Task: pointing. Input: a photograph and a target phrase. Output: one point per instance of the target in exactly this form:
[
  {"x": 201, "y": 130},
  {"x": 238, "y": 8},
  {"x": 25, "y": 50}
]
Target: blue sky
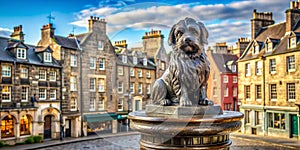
[{"x": 226, "y": 20}]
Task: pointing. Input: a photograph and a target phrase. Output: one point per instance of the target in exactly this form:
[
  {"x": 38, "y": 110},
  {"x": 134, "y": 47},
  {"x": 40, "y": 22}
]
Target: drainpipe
[
  {"x": 263, "y": 58},
  {"x": 14, "y": 88},
  {"x": 60, "y": 106}
]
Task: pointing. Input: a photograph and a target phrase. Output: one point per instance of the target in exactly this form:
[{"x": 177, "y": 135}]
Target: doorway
[
  {"x": 294, "y": 126},
  {"x": 68, "y": 127},
  {"x": 47, "y": 127}
]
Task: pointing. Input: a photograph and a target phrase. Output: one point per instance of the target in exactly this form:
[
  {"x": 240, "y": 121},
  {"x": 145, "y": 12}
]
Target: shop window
[
  {"x": 25, "y": 124},
  {"x": 7, "y": 127},
  {"x": 276, "y": 120}
]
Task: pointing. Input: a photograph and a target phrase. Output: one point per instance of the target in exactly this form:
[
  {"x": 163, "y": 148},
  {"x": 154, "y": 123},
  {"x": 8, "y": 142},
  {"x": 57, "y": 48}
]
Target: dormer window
[
  {"x": 21, "y": 53},
  {"x": 124, "y": 58},
  {"x": 269, "y": 47},
  {"x": 47, "y": 57},
  {"x": 292, "y": 42},
  {"x": 233, "y": 68},
  {"x": 134, "y": 60},
  {"x": 145, "y": 61},
  {"x": 256, "y": 49}
]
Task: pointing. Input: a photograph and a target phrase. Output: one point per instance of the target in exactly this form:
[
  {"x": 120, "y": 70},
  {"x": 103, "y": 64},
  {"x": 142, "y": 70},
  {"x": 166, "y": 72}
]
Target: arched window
[
  {"x": 7, "y": 127},
  {"x": 25, "y": 123}
]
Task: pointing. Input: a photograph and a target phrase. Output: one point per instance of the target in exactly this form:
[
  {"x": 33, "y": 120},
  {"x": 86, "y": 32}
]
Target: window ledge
[
  {"x": 248, "y": 99},
  {"x": 273, "y": 100},
  {"x": 273, "y": 72},
  {"x": 292, "y": 100},
  {"x": 259, "y": 100},
  {"x": 291, "y": 70}
]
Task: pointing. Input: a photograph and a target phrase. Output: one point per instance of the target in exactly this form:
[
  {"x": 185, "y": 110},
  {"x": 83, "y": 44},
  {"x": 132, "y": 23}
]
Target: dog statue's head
[{"x": 189, "y": 36}]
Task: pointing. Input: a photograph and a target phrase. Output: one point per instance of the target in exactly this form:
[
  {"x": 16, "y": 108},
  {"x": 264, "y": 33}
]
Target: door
[
  {"x": 47, "y": 127},
  {"x": 137, "y": 105},
  {"x": 68, "y": 127},
  {"x": 294, "y": 126}
]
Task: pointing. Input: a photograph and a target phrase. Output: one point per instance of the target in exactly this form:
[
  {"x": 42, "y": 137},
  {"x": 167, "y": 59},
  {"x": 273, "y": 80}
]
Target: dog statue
[{"x": 184, "y": 83}]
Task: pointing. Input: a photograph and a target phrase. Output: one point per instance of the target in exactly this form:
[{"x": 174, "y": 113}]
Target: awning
[{"x": 100, "y": 117}]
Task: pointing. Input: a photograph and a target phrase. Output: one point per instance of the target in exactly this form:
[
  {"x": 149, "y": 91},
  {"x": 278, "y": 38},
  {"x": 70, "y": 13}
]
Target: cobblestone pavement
[{"x": 130, "y": 142}]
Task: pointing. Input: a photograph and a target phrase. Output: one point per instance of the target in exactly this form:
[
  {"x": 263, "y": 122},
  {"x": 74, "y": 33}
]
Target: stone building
[
  {"x": 269, "y": 75},
  {"x": 222, "y": 82},
  {"x": 135, "y": 77},
  {"x": 30, "y": 90},
  {"x": 98, "y": 74},
  {"x": 67, "y": 52}
]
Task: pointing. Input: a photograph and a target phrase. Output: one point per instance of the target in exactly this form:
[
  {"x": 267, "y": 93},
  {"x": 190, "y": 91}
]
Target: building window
[
  {"x": 140, "y": 89},
  {"x": 134, "y": 59},
  {"x": 120, "y": 87},
  {"x": 73, "y": 83},
  {"x": 272, "y": 66},
  {"x": 235, "y": 79},
  {"x": 42, "y": 94},
  {"x": 21, "y": 53},
  {"x": 227, "y": 106},
  {"x": 92, "y": 104},
  {"x": 101, "y": 85},
  {"x": 120, "y": 104},
  {"x": 226, "y": 92},
  {"x": 225, "y": 79},
  {"x": 24, "y": 95},
  {"x": 148, "y": 74},
  {"x": 42, "y": 75},
  {"x": 102, "y": 64},
  {"x": 291, "y": 91},
  {"x": 92, "y": 63},
  {"x": 258, "y": 94},
  {"x": 140, "y": 73},
  {"x": 276, "y": 120},
  {"x": 258, "y": 118},
  {"x": 292, "y": 42},
  {"x": 52, "y": 94},
  {"x": 24, "y": 73},
  {"x": 92, "y": 84},
  {"x": 6, "y": 94},
  {"x": 145, "y": 61},
  {"x": 124, "y": 59},
  {"x": 148, "y": 89},
  {"x": 233, "y": 68},
  {"x": 131, "y": 72},
  {"x": 7, "y": 127},
  {"x": 132, "y": 88},
  {"x": 247, "y": 69},
  {"x": 273, "y": 92},
  {"x": 73, "y": 104},
  {"x": 100, "y": 45},
  {"x": 47, "y": 57},
  {"x": 291, "y": 63},
  {"x": 120, "y": 70},
  {"x": 270, "y": 47},
  {"x": 73, "y": 60},
  {"x": 247, "y": 92},
  {"x": 52, "y": 76},
  {"x": 235, "y": 91},
  {"x": 247, "y": 116},
  {"x": 25, "y": 124},
  {"x": 101, "y": 103},
  {"x": 6, "y": 71},
  {"x": 256, "y": 49},
  {"x": 258, "y": 68}
]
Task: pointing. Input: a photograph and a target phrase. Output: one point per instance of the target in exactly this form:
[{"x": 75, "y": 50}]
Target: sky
[{"x": 225, "y": 20}]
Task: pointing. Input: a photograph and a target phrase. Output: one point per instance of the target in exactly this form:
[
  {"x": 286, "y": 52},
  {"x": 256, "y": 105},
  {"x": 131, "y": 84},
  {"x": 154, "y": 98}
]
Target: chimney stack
[
  {"x": 121, "y": 43},
  {"x": 260, "y": 20},
  {"x": 97, "y": 24},
  {"x": 48, "y": 31},
  {"x": 292, "y": 15},
  {"x": 18, "y": 33}
]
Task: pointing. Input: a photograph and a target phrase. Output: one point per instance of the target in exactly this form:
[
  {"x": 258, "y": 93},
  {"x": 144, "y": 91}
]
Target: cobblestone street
[{"x": 130, "y": 142}]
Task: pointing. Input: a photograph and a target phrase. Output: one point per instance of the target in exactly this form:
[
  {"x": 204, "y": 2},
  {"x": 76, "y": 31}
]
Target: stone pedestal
[{"x": 175, "y": 127}]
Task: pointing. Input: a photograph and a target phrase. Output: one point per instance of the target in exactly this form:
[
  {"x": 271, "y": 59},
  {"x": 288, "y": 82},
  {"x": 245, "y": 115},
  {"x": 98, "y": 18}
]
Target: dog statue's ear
[
  {"x": 204, "y": 33},
  {"x": 172, "y": 40}
]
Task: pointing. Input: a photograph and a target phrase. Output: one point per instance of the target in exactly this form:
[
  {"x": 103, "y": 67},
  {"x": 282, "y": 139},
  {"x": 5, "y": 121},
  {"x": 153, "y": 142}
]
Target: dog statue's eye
[{"x": 179, "y": 33}]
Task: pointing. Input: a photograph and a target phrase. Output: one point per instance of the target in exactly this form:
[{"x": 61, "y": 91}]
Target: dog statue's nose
[{"x": 187, "y": 39}]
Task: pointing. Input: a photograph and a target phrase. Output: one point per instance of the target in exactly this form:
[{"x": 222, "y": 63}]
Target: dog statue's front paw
[
  {"x": 165, "y": 102},
  {"x": 185, "y": 102},
  {"x": 206, "y": 102}
]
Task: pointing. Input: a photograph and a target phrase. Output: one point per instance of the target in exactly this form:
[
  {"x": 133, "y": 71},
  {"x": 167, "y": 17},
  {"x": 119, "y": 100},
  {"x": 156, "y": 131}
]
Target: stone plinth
[{"x": 178, "y": 128}]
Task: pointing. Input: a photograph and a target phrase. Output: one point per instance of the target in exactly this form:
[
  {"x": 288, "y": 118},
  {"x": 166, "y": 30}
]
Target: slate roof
[
  {"x": 32, "y": 57},
  {"x": 67, "y": 42},
  {"x": 222, "y": 59}
]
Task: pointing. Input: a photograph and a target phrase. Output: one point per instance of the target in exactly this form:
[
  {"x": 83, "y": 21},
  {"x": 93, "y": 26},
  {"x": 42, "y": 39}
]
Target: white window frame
[
  {"x": 134, "y": 60},
  {"x": 21, "y": 53},
  {"x": 140, "y": 88},
  {"x": 235, "y": 91},
  {"x": 52, "y": 94},
  {"x": 6, "y": 90},
  {"x": 73, "y": 104},
  {"x": 234, "y": 79},
  {"x": 101, "y": 87},
  {"x": 148, "y": 89},
  {"x": 120, "y": 104},
  {"x": 247, "y": 92},
  {"x": 42, "y": 75},
  {"x": 25, "y": 94},
  {"x": 291, "y": 91},
  {"x": 226, "y": 91},
  {"x": 289, "y": 63},
  {"x": 24, "y": 73},
  {"x": 225, "y": 79},
  {"x": 124, "y": 59},
  {"x": 6, "y": 71},
  {"x": 42, "y": 91},
  {"x": 258, "y": 92},
  {"x": 247, "y": 69},
  {"x": 93, "y": 84},
  {"x": 102, "y": 64},
  {"x": 258, "y": 68},
  {"x": 233, "y": 68},
  {"x": 132, "y": 72},
  {"x": 140, "y": 73},
  {"x": 52, "y": 76},
  {"x": 47, "y": 57},
  {"x": 92, "y": 63},
  {"x": 272, "y": 66},
  {"x": 292, "y": 42},
  {"x": 145, "y": 61},
  {"x": 120, "y": 70},
  {"x": 272, "y": 89},
  {"x": 101, "y": 105},
  {"x": 269, "y": 47},
  {"x": 256, "y": 49},
  {"x": 132, "y": 86},
  {"x": 73, "y": 60},
  {"x": 148, "y": 74},
  {"x": 92, "y": 104},
  {"x": 120, "y": 87},
  {"x": 100, "y": 45},
  {"x": 73, "y": 83}
]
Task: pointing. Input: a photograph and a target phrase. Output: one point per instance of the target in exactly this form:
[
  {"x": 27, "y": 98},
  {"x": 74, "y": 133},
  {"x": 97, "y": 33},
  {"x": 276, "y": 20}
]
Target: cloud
[
  {"x": 225, "y": 22},
  {"x": 5, "y": 32}
]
